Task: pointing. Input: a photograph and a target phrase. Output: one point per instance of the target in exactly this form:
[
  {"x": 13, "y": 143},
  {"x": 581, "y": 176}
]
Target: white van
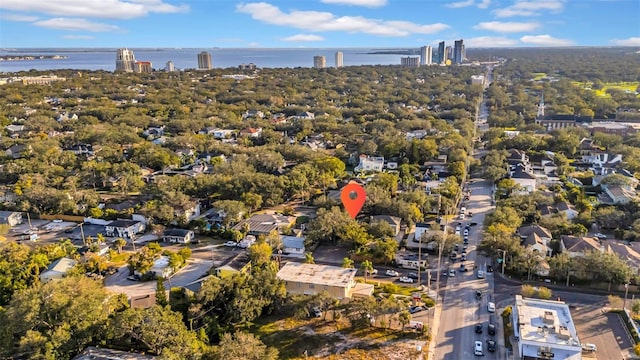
[{"x": 477, "y": 349}]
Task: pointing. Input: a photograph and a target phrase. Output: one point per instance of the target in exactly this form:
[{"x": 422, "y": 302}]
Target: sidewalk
[{"x": 435, "y": 327}]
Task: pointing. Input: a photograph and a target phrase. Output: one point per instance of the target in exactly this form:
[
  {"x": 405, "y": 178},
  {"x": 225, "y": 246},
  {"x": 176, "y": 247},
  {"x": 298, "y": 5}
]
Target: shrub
[
  {"x": 527, "y": 291},
  {"x": 636, "y": 349},
  {"x": 544, "y": 293}
]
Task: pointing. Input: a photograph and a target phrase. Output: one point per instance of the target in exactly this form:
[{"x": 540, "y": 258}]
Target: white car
[
  {"x": 600, "y": 236},
  {"x": 466, "y": 232},
  {"x": 406, "y": 279},
  {"x": 57, "y": 221},
  {"x": 316, "y": 312},
  {"x": 589, "y": 347},
  {"x": 372, "y": 272},
  {"x": 480, "y": 274},
  {"x": 461, "y": 216},
  {"x": 491, "y": 307},
  {"x": 231, "y": 243},
  {"x": 477, "y": 348},
  {"x": 452, "y": 273},
  {"x": 392, "y": 273}
]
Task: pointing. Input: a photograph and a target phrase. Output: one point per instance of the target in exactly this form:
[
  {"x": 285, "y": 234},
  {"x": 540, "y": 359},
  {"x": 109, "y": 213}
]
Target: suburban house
[
  {"x": 602, "y": 164},
  {"x": 617, "y": 194},
  {"x": 154, "y": 132},
  {"x": 16, "y": 151},
  {"x": 251, "y": 132},
  {"x": 519, "y": 157},
  {"x": 208, "y": 130},
  {"x": 536, "y": 237},
  {"x": 311, "y": 279},
  {"x": 181, "y": 236},
  {"x": 187, "y": 212},
  {"x": 160, "y": 268},
  {"x": 393, "y": 221},
  {"x": 252, "y": 114},
  {"x": 421, "y": 229},
  {"x": 241, "y": 263},
  {"x": 81, "y": 149},
  {"x": 57, "y": 269},
  {"x": 576, "y": 246},
  {"x": 222, "y": 134},
  {"x": 11, "y": 218},
  {"x": 370, "y": 164},
  {"x": 15, "y": 130},
  {"x": 293, "y": 245},
  {"x": 123, "y": 228},
  {"x": 263, "y": 224},
  {"x": 306, "y": 115},
  {"x": 628, "y": 253},
  {"x": 567, "y": 209},
  {"x": 525, "y": 179},
  {"x": 416, "y": 134}
]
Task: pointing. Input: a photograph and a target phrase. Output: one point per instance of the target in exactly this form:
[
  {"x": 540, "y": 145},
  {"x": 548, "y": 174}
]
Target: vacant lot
[{"x": 629, "y": 87}]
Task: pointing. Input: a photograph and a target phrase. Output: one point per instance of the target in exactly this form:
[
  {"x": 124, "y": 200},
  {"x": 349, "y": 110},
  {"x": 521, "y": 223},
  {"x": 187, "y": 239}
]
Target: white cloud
[
  {"x": 489, "y": 42},
  {"x": 75, "y": 25},
  {"x": 78, "y": 37},
  {"x": 545, "y": 40},
  {"x": 107, "y": 9},
  {"x": 507, "y": 27},
  {"x": 325, "y": 21},
  {"x": 484, "y": 4},
  {"x": 530, "y": 8},
  {"x": 304, "y": 37},
  {"x": 18, "y": 17},
  {"x": 632, "y": 41},
  {"x": 460, "y": 4},
  {"x": 365, "y": 3}
]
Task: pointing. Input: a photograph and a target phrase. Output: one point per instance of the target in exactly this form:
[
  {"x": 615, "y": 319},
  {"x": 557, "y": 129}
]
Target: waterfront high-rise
[
  {"x": 204, "y": 61},
  {"x": 426, "y": 54},
  {"x": 339, "y": 59},
  {"x": 458, "y": 52},
  {"x": 125, "y": 60},
  {"x": 442, "y": 54},
  {"x": 410, "y": 62},
  {"x": 169, "y": 67},
  {"x": 449, "y": 51},
  {"x": 319, "y": 62}
]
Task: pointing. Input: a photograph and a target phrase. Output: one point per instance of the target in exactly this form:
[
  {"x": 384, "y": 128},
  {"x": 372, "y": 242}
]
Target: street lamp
[
  {"x": 626, "y": 292},
  {"x": 504, "y": 258}
]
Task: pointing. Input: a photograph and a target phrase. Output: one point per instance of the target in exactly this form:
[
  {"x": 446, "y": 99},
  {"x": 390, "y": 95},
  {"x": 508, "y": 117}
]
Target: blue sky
[{"x": 317, "y": 23}]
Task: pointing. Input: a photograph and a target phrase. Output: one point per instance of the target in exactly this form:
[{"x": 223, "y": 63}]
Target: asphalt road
[{"x": 460, "y": 309}]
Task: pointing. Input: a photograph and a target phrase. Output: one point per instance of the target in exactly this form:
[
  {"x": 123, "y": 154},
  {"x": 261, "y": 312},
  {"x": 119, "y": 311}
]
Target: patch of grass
[
  {"x": 539, "y": 76},
  {"x": 119, "y": 259}
]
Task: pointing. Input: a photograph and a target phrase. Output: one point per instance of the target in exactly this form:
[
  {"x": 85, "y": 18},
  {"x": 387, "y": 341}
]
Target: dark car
[
  {"x": 479, "y": 329},
  {"x": 489, "y": 268},
  {"x": 491, "y": 345},
  {"x": 478, "y": 294},
  {"x": 415, "y": 309},
  {"x": 491, "y": 329},
  {"x": 413, "y": 275}
]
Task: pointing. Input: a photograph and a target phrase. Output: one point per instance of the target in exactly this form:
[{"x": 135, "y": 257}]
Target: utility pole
[
  {"x": 419, "y": 259},
  {"x": 504, "y": 259},
  {"x": 626, "y": 292},
  {"x": 84, "y": 243}
]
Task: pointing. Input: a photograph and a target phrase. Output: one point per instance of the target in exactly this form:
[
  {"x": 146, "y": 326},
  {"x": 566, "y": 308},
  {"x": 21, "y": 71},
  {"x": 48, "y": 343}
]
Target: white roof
[
  {"x": 293, "y": 242},
  {"x": 317, "y": 274}
]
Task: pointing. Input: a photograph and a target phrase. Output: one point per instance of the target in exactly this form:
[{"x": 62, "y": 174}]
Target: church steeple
[{"x": 541, "y": 107}]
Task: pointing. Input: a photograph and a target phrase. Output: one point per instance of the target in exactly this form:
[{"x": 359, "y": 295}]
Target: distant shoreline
[{"x": 31, "y": 57}]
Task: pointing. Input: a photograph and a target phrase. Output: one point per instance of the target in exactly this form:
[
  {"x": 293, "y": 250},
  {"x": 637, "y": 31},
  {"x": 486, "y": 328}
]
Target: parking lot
[{"x": 604, "y": 329}]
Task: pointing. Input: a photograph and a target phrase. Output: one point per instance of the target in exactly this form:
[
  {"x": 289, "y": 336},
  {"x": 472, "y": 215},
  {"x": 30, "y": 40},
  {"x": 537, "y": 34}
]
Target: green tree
[
  {"x": 367, "y": 268},
  {"x": 260, "y": 254},
  {"x": 120, "y": 243},
  {"x": 242, "y": 346},
  {"x": 308, "y": 258},
  {"x": 404, "y": 318},
  {"x": 161, "y": 292},
  {"x": 347, "y": 263}
]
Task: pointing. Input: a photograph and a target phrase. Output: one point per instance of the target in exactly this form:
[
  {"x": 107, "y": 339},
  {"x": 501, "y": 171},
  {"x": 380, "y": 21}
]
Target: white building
[
  {"x": 57, "y": 269},
  {"x": 169, "y": 67},
  {"x": 477, "y": 80},
  {"x": 543, "y": 329},
  {"x": 426, "y": 54},
  {"x": 311, "y": 279},
  {"x": 370, "y": 164},
  {"x": 204, "y": 61},
  {"x": 292, "y": 245},
  {"x": 339, "y": 59},
  {"x": 319, "y": 62},
  {"x": 125, "y": 60},
  {"x": 160, "y": 268}
]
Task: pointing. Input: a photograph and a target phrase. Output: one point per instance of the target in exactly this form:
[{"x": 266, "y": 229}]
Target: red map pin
[{"x": 353, "y": 197}]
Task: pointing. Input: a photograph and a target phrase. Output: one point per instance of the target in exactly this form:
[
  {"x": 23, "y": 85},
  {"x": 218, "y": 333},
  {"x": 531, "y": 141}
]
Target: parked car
[
  {"x": 478, "y": 294},
  {"x": 415, "y": 309},
  {"x": 478, "y": 328},
  {"x": 491, "y": 329},
  {"x": 372, "y": 272},
  {"x": 480, "y": 274},
  {"x": 133, "y": 277},
  {"x": 452, "y": 273},
  {"x": 463, "y": 257},
  {"x": 231, "y": 243},
  {"x": 491, "y": 345},
  {"x": 477, "y": 348},
  {"x": 463, "y": 268},
  {"x": 413, "y": 275},
  {"x": 589, "y": 347},
  {"x": 491, "y": 307},
  {"x": 600, "y": 236},
  {"x": 489, "y": 268},
  {"x": 392, "y": 273},
  {"x": 405, "y": 279}
]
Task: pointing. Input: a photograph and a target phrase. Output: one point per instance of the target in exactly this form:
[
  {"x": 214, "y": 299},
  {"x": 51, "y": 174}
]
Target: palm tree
[
  {"x": 404, "y": 317},
  {"x": 120, "y": 243},
  {"x": 347, "y": 263},
  {"x": 367, "y": 267},
  {"x": 308, "y": 258}
]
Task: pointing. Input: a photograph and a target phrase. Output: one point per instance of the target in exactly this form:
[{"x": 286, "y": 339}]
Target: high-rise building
[
  {"x": 458, "y": 52},
  {"x": 204, "y": 61},
  {"x": 426, "y": 55},
  {"x": 169, "y": 67},
  {"x": 319, "y": 62},
  {"x": 442, "y": 54},
  {"x": 125, "y": 60},
  {"x": 339, "y": 59},
  {"x": 143, "y": 67},
  {"x": 449, "y": 51},
  {"x": 410, "y": 62}
]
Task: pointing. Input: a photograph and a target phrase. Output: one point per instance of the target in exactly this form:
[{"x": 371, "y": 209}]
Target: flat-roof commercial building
[
  {"x": 544, "y": 330},
  {"x": 311, "y": 279}
]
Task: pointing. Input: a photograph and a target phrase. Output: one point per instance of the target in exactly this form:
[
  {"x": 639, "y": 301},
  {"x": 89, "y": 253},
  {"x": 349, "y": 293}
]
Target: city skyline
[{"x": 316, "y": 23}]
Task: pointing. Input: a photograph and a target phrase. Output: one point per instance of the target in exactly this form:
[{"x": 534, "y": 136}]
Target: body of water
[{"x": 105, "y": 59}]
